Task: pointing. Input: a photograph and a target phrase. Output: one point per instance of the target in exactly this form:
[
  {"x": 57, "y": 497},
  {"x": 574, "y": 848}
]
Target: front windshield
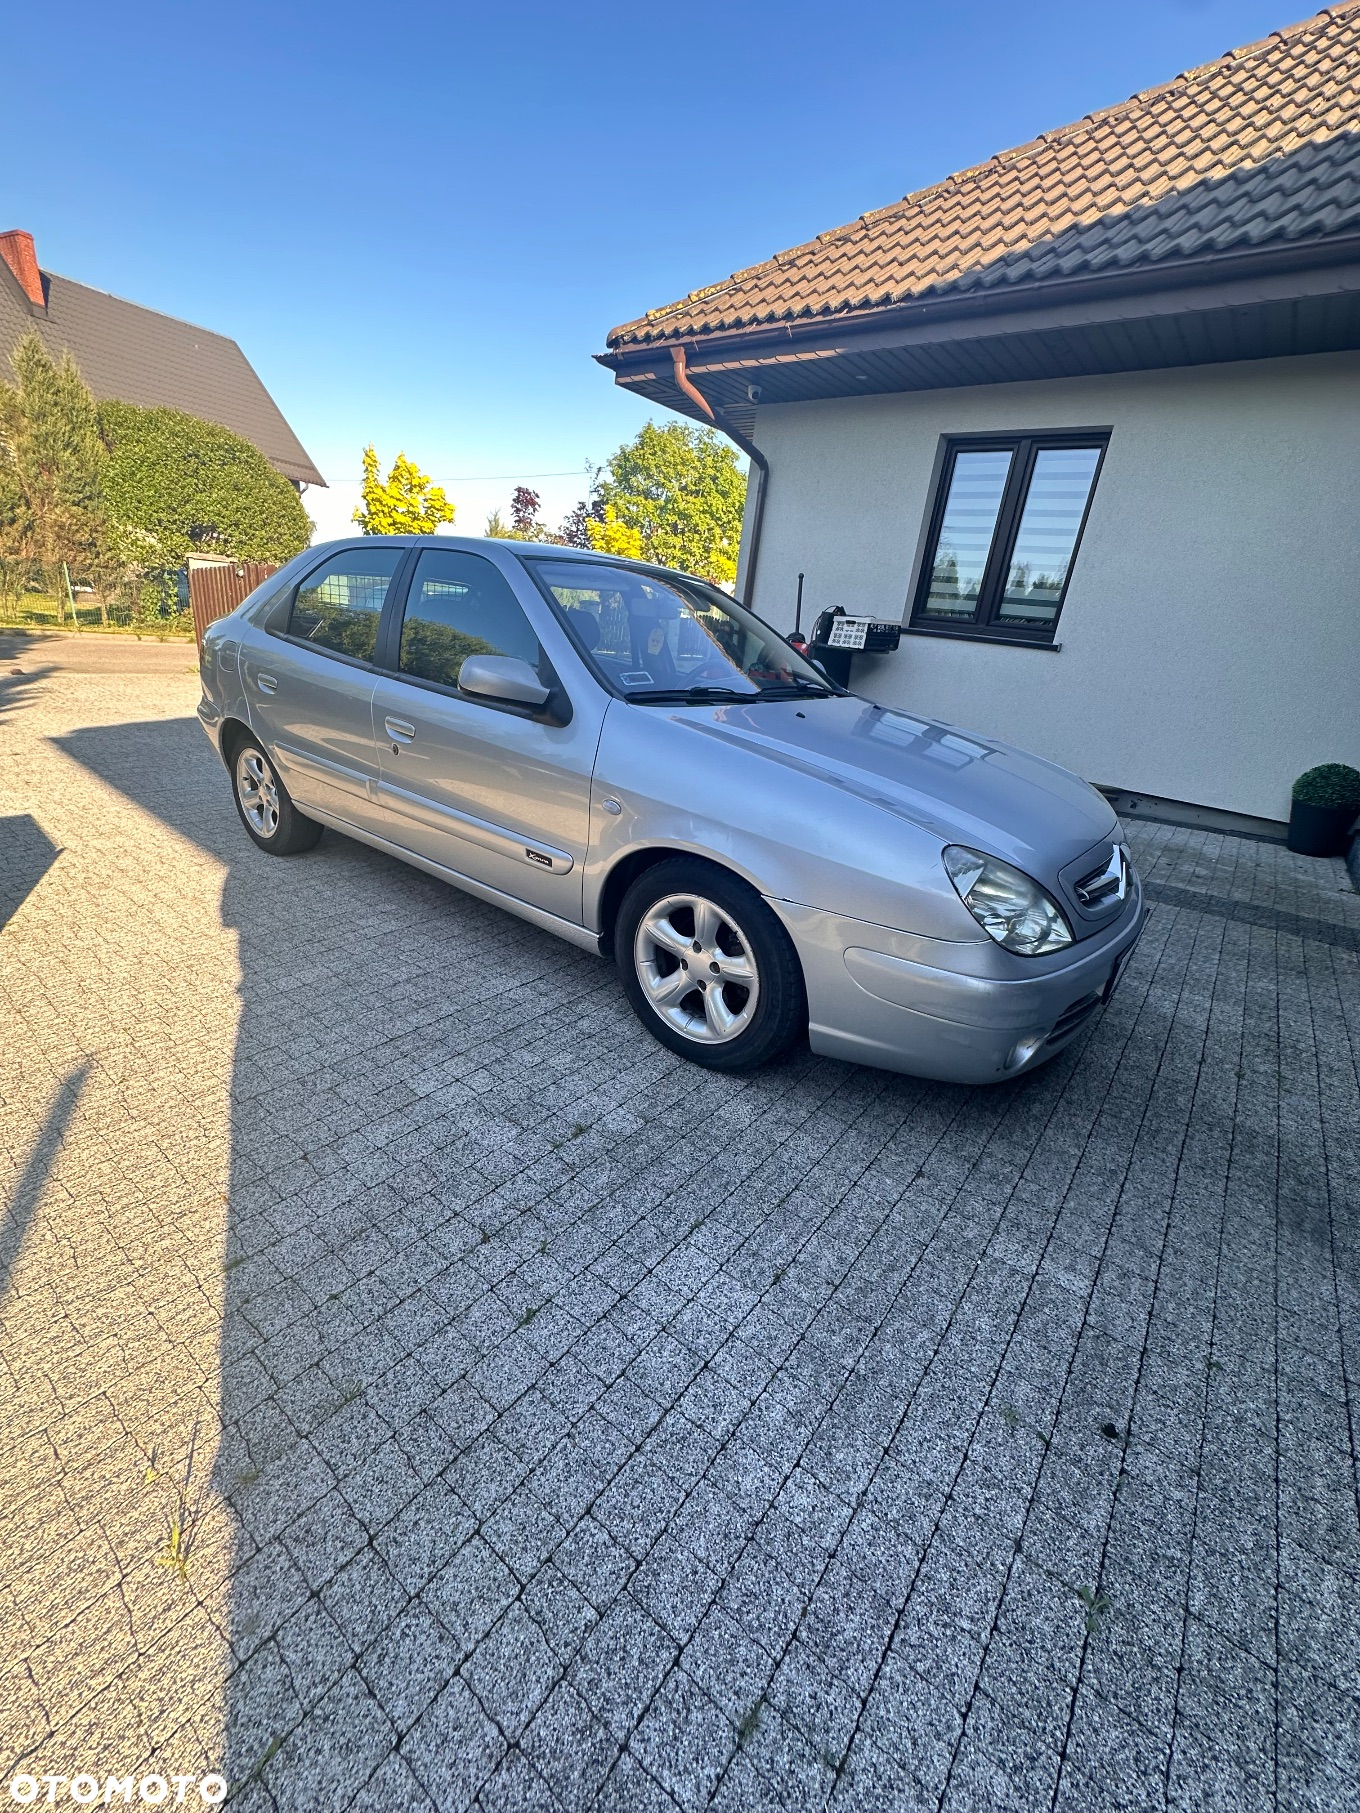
[{"x": 659, "y": 639}]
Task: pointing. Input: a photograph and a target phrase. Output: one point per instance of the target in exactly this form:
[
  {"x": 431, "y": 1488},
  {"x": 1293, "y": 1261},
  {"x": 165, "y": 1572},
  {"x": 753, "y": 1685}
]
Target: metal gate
[{"x": 218, "y": 586}]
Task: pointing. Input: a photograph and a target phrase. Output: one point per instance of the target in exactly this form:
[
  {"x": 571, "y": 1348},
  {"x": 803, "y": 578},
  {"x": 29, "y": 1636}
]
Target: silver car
[{"x": 626, "y": 757}]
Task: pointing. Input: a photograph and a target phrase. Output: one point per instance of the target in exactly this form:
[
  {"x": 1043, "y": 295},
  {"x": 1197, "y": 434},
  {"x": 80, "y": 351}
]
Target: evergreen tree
[{"x": 52, "y": 465}]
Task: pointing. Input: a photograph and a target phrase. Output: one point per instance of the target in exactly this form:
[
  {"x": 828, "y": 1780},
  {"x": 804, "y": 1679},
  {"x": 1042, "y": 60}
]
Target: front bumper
[{"x": 958, "y": 1013}]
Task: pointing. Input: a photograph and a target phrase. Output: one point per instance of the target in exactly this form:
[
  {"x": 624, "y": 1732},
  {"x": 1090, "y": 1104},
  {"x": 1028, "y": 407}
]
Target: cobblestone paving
[{"x": 550, "y": 1425}]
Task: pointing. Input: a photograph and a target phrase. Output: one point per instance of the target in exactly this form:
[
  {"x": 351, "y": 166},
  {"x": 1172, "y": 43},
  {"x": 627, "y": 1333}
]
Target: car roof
[
  {"x": 508, "y": 544},
  {"x": 478, "y": 542}
]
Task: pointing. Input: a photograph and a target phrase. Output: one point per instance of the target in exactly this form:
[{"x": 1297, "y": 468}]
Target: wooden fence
[{"x": 217, "y": 587}]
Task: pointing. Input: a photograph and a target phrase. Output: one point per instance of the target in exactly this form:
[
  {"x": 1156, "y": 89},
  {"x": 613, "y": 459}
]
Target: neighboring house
[
  {"x": 1138, "y": 334},
  {"x": 137, "y": 356}
]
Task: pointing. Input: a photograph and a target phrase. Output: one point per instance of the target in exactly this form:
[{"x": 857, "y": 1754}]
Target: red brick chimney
[{"x": 16, "y": 248}]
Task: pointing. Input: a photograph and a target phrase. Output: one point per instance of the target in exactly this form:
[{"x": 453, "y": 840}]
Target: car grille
[
  {"x": 1071, "y": 1017},
  {"x": 1105, "y": 885}
]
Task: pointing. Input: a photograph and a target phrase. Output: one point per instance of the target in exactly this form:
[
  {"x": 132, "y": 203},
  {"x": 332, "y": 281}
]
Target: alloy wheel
[
  {"x": 697, "y": 968},
  {"x": 258, "y": 792}
]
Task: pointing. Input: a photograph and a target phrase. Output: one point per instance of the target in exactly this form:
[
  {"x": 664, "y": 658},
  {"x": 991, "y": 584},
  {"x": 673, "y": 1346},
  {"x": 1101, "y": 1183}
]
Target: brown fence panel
[{"x": 214, "y": 590}]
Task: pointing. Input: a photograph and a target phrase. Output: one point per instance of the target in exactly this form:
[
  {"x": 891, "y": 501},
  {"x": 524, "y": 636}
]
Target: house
[
  {"x": 1097, "y": 399},
  {"x": 133, "y": 354}
]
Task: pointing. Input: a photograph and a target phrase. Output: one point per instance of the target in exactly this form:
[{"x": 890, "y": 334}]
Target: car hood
[{"x": 962, "y": 787}]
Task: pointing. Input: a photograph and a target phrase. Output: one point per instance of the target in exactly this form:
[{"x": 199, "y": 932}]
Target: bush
[
  {"x": 1331, "y": 784},
  {"x": 177, "y": 486}
]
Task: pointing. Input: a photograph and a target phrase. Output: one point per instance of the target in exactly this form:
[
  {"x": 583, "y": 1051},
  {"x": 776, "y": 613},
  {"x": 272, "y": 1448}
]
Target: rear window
[{"x": 338, "y": 606}]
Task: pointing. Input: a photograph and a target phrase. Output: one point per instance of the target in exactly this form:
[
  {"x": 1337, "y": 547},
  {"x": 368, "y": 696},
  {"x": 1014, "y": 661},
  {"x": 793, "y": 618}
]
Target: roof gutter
[{"x": 759, "y": 464}]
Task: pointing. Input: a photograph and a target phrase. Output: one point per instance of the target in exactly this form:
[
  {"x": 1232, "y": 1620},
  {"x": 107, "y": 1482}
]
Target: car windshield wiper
[
  {"x": 796, "y": 689},
  {"x": 691, "y": 695}
]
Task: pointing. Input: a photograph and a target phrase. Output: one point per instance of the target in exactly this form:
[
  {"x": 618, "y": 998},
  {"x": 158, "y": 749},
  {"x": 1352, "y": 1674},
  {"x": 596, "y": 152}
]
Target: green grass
[{"x": 33, "y": 612}]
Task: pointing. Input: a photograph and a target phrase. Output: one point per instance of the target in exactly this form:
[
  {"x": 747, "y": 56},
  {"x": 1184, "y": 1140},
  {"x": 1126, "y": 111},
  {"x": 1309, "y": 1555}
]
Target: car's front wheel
[
  {"x": 267, "y": 811},
  {"x": 707, "y": 967}
]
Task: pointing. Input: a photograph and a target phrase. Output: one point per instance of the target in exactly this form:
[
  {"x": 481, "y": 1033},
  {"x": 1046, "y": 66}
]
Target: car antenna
[{"x": 798, "y": 613}]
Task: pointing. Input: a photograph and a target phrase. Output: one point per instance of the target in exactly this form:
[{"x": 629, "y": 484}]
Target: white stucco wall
[{"x": 1211, "y": 632}]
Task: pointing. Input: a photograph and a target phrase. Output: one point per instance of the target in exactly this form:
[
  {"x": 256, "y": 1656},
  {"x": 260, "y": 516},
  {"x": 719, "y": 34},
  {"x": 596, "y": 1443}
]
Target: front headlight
[{"x": 1006, "y": 903}]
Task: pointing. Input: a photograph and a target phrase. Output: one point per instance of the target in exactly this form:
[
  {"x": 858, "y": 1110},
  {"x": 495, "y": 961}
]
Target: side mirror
[{"x": 504, "y": 678}]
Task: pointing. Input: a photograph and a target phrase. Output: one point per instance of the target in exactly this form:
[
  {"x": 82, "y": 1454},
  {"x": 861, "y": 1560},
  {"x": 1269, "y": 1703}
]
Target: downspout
[{"x": 759, "y": 464}]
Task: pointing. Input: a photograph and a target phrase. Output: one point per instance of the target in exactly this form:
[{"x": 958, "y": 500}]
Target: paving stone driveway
[{"x": 419, "y": 1387}]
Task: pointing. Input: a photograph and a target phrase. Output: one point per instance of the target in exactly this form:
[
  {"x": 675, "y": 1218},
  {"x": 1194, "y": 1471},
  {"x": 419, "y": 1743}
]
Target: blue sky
[{"x": 420, "y": 222}]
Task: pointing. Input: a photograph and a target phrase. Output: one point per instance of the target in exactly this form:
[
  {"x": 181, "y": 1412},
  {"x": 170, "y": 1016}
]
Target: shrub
[
  {"x": 1331, "y": 784},
  {"x": 177, "y": 486}
]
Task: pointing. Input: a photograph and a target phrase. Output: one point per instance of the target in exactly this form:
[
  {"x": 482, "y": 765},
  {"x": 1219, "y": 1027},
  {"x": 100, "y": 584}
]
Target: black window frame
[
  {"x": 1024, "y": 445},
  {"x": 556, "y": 710},
  {"x": 279, "y": 612}
]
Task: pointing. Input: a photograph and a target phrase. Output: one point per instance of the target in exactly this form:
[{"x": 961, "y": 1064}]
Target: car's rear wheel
[
  {"x": 707, "y": 967},
  {"x": 271, "y": 819}
]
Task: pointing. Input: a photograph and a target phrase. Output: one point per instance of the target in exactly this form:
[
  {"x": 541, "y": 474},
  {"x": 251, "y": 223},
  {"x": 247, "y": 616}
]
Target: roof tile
[{"x": 1263, "y": 144}]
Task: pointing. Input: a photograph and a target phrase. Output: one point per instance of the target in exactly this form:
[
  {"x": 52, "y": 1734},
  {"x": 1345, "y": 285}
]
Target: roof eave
[
  {"x": 1272, "y": 302},
  {"x": 983, "y": 305}
]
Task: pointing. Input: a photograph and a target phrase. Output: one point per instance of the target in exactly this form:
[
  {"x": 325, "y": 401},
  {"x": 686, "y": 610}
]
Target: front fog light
[{"x": 1009, "y": 907}]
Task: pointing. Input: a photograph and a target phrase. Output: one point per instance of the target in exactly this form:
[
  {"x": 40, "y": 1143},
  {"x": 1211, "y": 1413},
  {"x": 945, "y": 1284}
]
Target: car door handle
[
  {"x": 266, "y": 682},
  {"x": 399, "y": 730}
]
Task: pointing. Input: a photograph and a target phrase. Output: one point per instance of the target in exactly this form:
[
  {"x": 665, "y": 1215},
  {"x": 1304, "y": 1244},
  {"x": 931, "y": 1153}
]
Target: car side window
[
  {"x": 338, "y": 606},
  {"x": 460, "y": 605}
]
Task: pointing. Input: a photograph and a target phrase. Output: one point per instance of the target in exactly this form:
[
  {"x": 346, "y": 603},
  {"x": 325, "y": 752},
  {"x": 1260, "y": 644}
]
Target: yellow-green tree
[
  {"x": 406, "y": 502},
  {"x": 614, "y": 537}
]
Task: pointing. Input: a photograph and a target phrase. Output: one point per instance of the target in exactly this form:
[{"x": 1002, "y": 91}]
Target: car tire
[
  {"x": 273, "y": 823},
  {"x": 688, "y": 921}
]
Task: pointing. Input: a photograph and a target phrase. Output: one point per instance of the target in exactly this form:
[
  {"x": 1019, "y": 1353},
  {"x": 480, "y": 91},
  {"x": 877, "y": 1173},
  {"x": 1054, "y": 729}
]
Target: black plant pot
[{"x": 1319, "y": 830}]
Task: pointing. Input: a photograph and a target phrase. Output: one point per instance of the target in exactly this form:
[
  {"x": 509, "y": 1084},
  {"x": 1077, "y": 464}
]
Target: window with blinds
[{"x": 1005, "y": 527}]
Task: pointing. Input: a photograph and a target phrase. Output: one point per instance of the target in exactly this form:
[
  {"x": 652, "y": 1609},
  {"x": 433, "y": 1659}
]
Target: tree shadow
[
  {"x": 19, "y": 1211},
  {"x": 17, "y": 682}
]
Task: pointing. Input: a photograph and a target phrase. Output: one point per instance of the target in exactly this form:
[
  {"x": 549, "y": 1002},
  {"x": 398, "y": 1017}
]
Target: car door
[
  {"x": 309, "y": 682},
  {"x": 497, "y": 793}
]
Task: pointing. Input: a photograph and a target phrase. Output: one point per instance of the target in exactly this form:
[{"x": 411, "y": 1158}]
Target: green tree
[
  {"x": 680, "y": 487},
  {"x": 405, "y": 503},
  {"x": 52, "y": 465},
  {"x": 178, "y": 486}
]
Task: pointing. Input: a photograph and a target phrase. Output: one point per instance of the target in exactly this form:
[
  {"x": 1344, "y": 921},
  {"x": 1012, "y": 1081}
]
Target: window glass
[
  {"x": 460, "y": 605},
  {"x": 653, "y": 637},
  {"x": 1047, "y": 537},
  {"x": 338, "y": 606},
  {"x": 976, "y": 486},
  {"x": 1009, "y": 520}
]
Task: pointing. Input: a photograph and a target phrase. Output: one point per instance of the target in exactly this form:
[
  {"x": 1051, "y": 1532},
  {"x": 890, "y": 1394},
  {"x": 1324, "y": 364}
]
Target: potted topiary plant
[{"x": 1324, "y": 806}]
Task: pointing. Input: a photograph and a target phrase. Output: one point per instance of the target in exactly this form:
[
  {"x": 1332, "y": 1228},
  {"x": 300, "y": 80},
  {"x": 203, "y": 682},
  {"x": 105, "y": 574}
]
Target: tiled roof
[
  {"x": 133, "y": 354},
  {"x": 1260, "y": 147}
]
